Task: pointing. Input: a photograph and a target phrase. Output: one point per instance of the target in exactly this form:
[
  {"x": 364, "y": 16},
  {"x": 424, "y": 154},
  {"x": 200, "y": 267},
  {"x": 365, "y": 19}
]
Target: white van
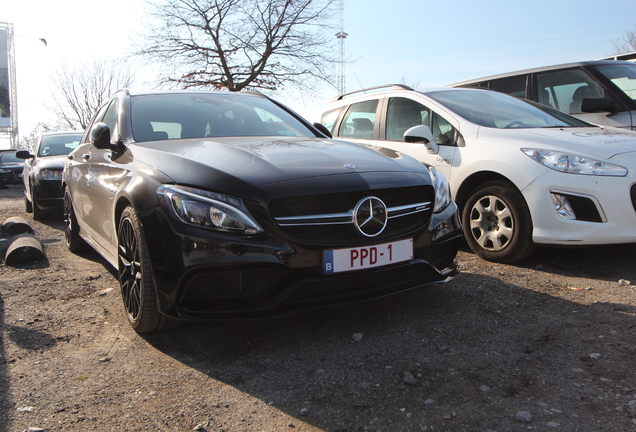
[{"x": 602, "y": 92}]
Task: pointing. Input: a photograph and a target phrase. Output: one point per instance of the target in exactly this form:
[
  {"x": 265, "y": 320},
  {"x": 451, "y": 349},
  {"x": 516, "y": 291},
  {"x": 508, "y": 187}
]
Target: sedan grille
[{"x": 328, "y": 219}]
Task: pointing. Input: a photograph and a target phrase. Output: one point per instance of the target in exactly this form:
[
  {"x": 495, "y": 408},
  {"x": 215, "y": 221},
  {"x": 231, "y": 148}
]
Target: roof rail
[
  {"x": 395, "y": 87},
  {"x": 627, "y": 56}
]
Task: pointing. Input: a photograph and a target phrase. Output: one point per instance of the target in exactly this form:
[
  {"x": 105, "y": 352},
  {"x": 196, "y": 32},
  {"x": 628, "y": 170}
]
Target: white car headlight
[
  {"x": 573, "y": 164},
  {"x": 207, "y": 209},
  {"x": 442, "y": 191}
]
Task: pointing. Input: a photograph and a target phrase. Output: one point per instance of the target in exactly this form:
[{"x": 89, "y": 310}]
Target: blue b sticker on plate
[{"x": 328, "y": 261}]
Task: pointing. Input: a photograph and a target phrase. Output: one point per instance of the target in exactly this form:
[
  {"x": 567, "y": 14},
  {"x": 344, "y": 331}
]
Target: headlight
[
  {"x": 573, "y": 164},
  {"x": 442, "y": 192},
  {"x": 47, "y": 174},
  {"x": 207, "y": 209}
]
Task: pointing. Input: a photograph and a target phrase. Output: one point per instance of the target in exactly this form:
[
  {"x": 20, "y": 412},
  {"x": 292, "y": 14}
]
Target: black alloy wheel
[
  {"x": 71, "y": 229},
  {"x": 135, "y": 277}
]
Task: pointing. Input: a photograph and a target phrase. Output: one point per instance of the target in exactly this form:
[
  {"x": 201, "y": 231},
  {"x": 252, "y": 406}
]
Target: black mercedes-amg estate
[{"x": 218, "y": 205}]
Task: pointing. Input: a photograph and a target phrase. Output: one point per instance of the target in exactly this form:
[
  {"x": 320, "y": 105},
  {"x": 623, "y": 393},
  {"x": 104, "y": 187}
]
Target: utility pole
[{"x": 9, "y": 117}]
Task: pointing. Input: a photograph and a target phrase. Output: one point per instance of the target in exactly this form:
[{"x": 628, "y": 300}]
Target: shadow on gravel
[
  {"x": 600, "y": 262},
  {"x": 467, "y": 355},
  {"x": 597, "y": 262},
  {"x": 29, "y": 339}
]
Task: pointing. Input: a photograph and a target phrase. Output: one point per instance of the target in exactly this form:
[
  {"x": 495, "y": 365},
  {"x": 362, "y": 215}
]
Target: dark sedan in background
[
  {"x": 217, "y": 205},
  {"x": 42, "y": 175},
  {"x": 10, "y": 168}
]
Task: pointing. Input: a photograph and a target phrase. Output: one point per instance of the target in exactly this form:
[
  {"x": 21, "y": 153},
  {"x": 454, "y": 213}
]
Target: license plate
[{"x": 342, "y": 260}]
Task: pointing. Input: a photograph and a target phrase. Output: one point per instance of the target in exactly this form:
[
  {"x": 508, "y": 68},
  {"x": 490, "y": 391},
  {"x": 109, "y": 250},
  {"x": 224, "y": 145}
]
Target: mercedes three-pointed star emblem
[{"x": 370, "y": 216}]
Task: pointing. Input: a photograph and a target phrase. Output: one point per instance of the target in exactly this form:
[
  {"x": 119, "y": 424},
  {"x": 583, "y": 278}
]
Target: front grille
[
  {"x": 345, "y": 234},
  {"x": 345, "y": 201},
  {"x": 327, "y": 219}
]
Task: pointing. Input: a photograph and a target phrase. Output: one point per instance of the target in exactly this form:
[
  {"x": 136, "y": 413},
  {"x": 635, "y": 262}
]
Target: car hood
[
  {"x": 602, "y": 143},
  {"x": 11, "y": 165},
  {"x": 51, "y": 162},
  {"x": 264, "y": 160}
]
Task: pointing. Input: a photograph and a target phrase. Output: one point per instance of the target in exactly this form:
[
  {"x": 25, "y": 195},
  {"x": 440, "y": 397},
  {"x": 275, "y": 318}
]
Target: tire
[
  {"x": 38, "y": 213},
  {"x": 497, "y": 223},
  {"x": 28, "y": 206},
  {"x": 71, "y": 228},
  {"x": 135, "y": 276}
]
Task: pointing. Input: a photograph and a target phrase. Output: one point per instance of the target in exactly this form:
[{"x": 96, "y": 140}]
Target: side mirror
[
  {"x": 422, "y": 135},
  {"x": 100, "y": 137},
  {"x": 323, "y": 129},
  {"x": 597, "y": 105},
  {"x": 24, "y": 154}
]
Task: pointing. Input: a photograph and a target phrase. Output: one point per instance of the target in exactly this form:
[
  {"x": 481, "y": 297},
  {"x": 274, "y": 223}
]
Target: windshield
[
  {"x": 200, "y": 115},
  {"x": 497, "y": 110},
  {"x": 623, "y": 75},
  {"x": 57, "y": 145},
  {"x": 8, "y": 157}
]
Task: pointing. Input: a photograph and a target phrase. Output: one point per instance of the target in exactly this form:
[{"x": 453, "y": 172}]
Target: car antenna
[{"x": 359, "y": 83}]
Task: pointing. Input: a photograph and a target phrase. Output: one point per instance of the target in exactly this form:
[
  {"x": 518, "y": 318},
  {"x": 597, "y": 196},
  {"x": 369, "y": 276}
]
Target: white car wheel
[{"x": 497, "y": 223}]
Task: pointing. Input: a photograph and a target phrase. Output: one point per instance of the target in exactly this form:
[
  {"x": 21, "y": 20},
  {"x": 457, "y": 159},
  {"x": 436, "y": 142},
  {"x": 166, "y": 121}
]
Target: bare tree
[
  {"x": 79, "y": 90},
  {"x": 27, "y": 142},
  {"x": 407, "y": 82},
  {"x": 238, "y": 44},
  {"x": 626, "y": 43}
]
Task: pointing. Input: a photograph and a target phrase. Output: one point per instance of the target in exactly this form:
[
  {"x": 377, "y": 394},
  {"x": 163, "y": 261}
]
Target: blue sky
[{"x": 426, "y": 43}]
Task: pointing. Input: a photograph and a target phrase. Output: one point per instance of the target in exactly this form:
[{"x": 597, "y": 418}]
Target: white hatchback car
[{"x": 522, "y": 173}]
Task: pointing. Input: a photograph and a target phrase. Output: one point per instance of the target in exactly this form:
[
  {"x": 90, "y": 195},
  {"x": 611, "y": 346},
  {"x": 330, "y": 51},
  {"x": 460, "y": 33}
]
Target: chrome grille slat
[
  {"x": 309, "y": 220},
  {"x": 328, "y": 219}
]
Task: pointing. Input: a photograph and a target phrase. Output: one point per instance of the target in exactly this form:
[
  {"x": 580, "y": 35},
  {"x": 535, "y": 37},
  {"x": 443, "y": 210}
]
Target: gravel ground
[{"x": 547, "y": 345}]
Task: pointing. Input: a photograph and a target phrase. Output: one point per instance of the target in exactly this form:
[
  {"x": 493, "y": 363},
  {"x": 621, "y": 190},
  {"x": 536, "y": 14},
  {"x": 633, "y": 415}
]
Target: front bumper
[
  {"x": 49, "y": 193},
  {"x": 203, "y": 275},
  {"x": 611, "y": 200},
  {"x": 11, "y": 176}
]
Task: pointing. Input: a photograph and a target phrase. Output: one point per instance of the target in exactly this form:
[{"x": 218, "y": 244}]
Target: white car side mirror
[{"x": 422, "y": 135}]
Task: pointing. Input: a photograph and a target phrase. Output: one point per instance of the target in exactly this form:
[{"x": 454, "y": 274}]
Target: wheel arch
[
  {"x": 471, "y": 183},
  {"x": 122, "y": 202}
]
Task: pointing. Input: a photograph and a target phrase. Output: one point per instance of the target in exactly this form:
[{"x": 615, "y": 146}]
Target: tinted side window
[
  {"x": 402, "y": 115},
  {"x": 515, "y": 86},
  {"x": 564, "y": 90},
  {"x": 359, "y": 122},
  {"x": 443, "y": 131}
]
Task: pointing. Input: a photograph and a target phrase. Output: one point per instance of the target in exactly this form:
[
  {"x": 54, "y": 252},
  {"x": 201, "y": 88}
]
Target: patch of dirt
[{"x": 553, "y": 337}]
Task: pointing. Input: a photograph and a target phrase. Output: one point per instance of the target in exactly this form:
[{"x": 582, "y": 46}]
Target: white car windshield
[
  {"x": 497, "y": 110},
  {"x": 623, "y": 75}
]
